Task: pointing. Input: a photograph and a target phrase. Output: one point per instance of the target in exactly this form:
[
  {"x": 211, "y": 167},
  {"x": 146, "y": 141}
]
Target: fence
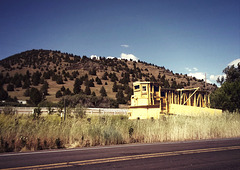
[
  {"x": 108, "y": 111},
  {"x": 45, "y": 110}
]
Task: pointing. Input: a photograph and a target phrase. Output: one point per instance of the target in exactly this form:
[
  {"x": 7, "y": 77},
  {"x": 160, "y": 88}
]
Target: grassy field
[{"x": 23, "y": 132}]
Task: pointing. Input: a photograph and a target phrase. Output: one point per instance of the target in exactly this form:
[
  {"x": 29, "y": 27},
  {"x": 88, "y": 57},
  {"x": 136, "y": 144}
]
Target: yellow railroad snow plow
[{"x": 150, "y": 101}]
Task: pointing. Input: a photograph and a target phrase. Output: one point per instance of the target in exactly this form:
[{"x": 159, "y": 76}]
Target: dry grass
[{"x": 22, "y": 132}]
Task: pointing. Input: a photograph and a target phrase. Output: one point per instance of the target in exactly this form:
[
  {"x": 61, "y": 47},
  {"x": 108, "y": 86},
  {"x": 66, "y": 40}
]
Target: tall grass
[{"x": 22, "y": 132}]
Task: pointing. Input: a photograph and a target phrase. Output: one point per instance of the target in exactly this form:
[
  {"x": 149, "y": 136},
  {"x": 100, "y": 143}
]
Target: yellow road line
[{"x": 124, "y": 158}]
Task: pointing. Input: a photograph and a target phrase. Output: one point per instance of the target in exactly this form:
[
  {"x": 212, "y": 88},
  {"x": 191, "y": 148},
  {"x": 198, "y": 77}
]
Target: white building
[{"x": 22, "y": 101}]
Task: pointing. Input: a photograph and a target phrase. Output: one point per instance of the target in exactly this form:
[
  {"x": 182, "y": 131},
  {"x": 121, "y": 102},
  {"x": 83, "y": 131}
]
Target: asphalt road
[{"x": 207, "y": 154}]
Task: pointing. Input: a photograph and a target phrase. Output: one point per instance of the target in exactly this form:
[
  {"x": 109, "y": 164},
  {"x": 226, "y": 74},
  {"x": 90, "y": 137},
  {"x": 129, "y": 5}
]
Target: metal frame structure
[{"x": 151, "y": 100}]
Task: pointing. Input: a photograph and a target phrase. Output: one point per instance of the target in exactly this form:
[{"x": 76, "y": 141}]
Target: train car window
[
  {"x": 144, "y": 88},
  {"x": 136, "y": 87}
]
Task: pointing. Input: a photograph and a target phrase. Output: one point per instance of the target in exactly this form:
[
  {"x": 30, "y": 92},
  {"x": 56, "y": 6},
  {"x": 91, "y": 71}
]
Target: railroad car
[{"x": 150, "y": 101}]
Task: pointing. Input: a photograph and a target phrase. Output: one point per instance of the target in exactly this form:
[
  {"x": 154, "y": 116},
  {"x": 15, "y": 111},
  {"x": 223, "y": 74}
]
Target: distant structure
[{"x": 22, "y": 101}]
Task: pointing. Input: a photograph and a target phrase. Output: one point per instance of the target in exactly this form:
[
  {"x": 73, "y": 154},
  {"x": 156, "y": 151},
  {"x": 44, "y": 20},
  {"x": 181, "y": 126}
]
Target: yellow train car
[{"x": 150, "y": 101}]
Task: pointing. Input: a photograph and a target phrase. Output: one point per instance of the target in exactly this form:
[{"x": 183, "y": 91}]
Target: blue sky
[{"x": 185, "y": 36}]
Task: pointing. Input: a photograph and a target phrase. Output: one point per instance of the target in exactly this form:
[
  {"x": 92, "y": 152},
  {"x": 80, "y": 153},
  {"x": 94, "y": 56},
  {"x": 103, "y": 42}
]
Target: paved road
[{"x": 208, "y": 154}]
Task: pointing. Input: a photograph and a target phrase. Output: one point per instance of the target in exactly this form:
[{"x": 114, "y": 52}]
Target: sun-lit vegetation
[
  {"x": 227, "y": 97},
  {"x": 26, "y": 132}
]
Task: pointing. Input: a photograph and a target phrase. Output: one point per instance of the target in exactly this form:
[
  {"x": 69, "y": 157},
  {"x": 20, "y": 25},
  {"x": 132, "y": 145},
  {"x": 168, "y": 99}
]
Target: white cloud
[
  {"x": 214, "y": 77},
  {"x": 110, "y": 57},
  {"x": 128, "y": 56},
  {"x": 234, "y": 62},
  {"x": 191, "y": 69},
  {"x": 195, "y": 69},
  {"x": 201, "y": 75},
  {"x": 188, "y": 69},
  {"x": 94, "y": 57},
  {"x": 125, "y": 45},
  {"x": 198, "y": 75}
]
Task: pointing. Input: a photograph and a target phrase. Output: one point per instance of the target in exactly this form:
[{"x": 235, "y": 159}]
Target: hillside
[{"x": 54, "y": 72}]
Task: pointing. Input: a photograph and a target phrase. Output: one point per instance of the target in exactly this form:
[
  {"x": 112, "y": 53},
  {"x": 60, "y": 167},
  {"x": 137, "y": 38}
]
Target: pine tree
[
  {"x": 98, "y": 80},
  {"x": 86, "y": 83},
  {"x": 27, "y": 92},
  {"x": 62, "y": 88},
  {"x": 35, "y": 96},
  {"x": 120, "y": 97},
  {"x": 26, "y": 83},
  {"x": 113, "y": 77},
  {"x": 125, "y": 78},
  {"x": 28, "y": 74},
  {"x": 75, "y": 74},
  {"x": 174, "y": 84},
  {"x": 77, "y": 86},
  {"x": 3, "y": 94},
  {"x": 18, "y": 83},
  {"x": 59, "y": 79},
  {"x": 87, "y": 90},
  {"x": 93, "y": 93},
  {"x": 103, "y": 92},
  {"x": 36, "y": 78},
  {"x": 153, "y": 79},
  {"x": 46, "y": 75},
  {"x": 44, "y": 88},
  {"x": 105, "y": 75},
  {"x": 166, "y": 84},
  {"x": 92, "y": 72},
  {"x": 128, "y": 90},
  {"x": 10, "y": 87},
  {"x": 91, "y": 82},
  {"x": 59, "y": 94},
  {"x": 115, "y": 88},
  {"x": 67, "y": 92}
]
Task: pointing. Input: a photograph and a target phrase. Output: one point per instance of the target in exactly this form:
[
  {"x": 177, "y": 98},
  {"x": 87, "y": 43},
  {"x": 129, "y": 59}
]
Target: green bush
[
  {"x": 79, "y": 111},
  {"x": 227, "y": 97},
  {"x": 37, "y": 112}
]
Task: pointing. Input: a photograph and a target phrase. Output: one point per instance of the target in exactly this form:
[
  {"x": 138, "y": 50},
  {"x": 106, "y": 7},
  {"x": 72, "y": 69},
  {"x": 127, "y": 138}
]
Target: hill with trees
[{"x": 46, "y": 75}]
